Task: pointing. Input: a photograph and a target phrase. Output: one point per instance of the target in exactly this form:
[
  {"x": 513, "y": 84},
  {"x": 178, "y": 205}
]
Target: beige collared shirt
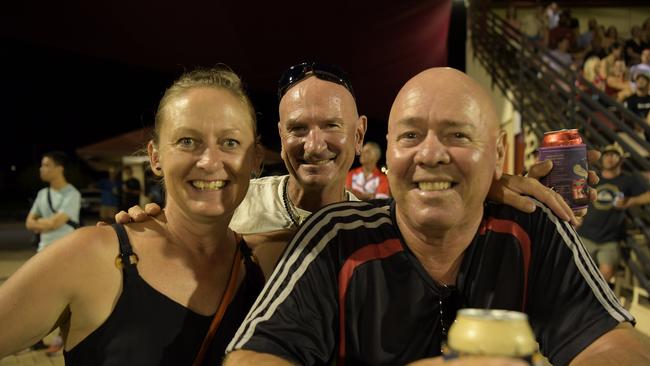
[{"x": 263, "y": 209}]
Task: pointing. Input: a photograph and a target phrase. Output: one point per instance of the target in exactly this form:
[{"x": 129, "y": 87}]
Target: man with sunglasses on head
[{"x": 320, "y": 132}]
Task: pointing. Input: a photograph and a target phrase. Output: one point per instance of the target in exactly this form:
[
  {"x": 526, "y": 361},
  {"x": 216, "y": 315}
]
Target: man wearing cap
[
  {"x": 644, "y": 65},
  {"x": 603, "y": 229}
]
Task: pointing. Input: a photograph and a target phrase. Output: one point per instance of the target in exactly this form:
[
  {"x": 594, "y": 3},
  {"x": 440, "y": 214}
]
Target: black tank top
[{"x": 148, "y": 328}]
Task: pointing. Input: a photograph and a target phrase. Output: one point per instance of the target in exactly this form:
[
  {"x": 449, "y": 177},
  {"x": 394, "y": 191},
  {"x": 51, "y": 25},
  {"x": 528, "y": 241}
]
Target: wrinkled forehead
[
  {"x": 206, "y": 107},
  {"x": 457, "y": 101},
  {"x": 313, "y": 95}
]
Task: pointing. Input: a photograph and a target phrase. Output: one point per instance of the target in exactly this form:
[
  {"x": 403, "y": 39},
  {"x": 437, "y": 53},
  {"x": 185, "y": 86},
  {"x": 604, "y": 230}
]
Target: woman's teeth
[{"x": 211, "y": 185}]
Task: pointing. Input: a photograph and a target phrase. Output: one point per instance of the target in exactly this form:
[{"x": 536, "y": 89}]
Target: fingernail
[{"x": 530, "y": 207}]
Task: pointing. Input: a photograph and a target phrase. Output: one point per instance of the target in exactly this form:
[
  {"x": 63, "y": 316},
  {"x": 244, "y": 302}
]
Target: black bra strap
[{"x": 126, "y": 250}]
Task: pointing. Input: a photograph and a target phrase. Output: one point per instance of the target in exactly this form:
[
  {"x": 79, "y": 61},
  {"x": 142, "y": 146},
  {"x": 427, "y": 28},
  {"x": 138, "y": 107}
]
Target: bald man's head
[
  {"x": 320, "y": 131},
  {"x": 447, "y": 86},
  {"x": 444, "y": 148}
]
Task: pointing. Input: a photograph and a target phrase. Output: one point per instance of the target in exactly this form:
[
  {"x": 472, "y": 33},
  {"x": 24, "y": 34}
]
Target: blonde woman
[{"x": 150, "y": 293}]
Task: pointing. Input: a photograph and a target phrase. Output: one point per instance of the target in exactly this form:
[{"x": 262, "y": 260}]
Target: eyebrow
[
  {"x": 453, "y": 123},
  {"x": 293, "y": 121},
  {"x": 411, "y": 121},
  {"x": 188, "y": 130},
  {"x": 447, "y": 123},
  {"x": 184, "y": 130}
]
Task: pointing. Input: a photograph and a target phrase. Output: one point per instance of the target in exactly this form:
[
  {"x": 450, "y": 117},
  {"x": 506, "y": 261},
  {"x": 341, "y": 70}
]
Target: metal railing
[{"x": 549, "y": 96}]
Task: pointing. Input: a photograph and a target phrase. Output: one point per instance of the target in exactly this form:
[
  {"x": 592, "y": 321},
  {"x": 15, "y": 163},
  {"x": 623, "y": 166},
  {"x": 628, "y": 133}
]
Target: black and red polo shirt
[{"x": 348, "y": 289}]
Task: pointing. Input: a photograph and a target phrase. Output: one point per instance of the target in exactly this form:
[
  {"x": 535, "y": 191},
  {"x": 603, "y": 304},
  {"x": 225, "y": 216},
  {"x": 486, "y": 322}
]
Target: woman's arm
[{"x": 36, "y": 296}]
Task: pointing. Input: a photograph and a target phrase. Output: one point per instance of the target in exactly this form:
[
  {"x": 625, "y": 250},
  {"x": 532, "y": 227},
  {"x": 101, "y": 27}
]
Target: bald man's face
[
  {"x": 443, "y": 151},
  {"x": 320, "y": 132}
]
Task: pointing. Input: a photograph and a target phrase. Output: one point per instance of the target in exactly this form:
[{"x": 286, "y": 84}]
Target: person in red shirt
[{"x": 367, "y": 181}]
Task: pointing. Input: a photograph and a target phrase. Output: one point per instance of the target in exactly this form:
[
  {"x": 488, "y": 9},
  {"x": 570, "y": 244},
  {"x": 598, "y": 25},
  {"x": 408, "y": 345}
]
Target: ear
[
  {"x": 154, "y": 159},
  {"x": 362, "y": 125},
  {"x": 502, "y": 145}
]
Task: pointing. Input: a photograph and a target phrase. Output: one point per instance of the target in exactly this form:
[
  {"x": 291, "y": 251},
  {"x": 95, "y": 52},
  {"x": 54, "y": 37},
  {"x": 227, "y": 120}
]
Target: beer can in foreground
[
  {"x": 569, "y": 174},
  {"x": 483, "y": 332}
]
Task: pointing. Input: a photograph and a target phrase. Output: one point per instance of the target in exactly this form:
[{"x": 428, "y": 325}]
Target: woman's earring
[{"x": 158, "y": 170}]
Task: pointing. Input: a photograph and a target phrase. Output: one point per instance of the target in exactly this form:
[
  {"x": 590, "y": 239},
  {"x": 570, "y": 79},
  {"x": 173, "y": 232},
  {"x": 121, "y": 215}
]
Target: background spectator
[
  {"x": 607, "y": 65},
  {"x": 590, "y": 71},
  {"x": 596, "y": 48},
  {"x": 130, "y": 189},
  {"x": 617, "y": 84},
  {"x": 552, "y": 15},
  {"x": 584, "y": 40},
  {"x": 611, "y": 36},
  {"x": 634, "y": 46},
  {"x": 535, "y": 26},
  {"x": 562, "y": 56},
  {"x": 603, "y": 229},
  {"x": 644, "y": 65},
  {"x": 110, "y": 195},
  {"x": 563, "y": 30},
  {"x": 639, "y": 102},
  {"x": 367, "y": 181}
]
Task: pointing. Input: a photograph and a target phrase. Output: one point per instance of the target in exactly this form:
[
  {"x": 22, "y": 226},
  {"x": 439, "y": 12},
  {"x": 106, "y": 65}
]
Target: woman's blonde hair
[{"x": 220, "y": 77}]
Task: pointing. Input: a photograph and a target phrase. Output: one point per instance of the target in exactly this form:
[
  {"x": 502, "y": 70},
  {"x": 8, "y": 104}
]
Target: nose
[
  {"x": 432, "y": 151},
  {"x": 315, "y": 142},
  {"x": 210, "y": 159}
]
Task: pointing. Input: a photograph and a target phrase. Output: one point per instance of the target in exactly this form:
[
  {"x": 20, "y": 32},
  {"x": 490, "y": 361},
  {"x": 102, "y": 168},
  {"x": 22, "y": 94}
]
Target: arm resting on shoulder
[
  {"x": 243, "y": 358},
  {"x": 622, "y": 345}
]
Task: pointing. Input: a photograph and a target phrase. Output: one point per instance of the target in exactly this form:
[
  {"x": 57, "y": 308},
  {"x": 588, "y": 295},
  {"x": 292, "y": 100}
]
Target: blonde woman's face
[{"x": 206, "y": 152}]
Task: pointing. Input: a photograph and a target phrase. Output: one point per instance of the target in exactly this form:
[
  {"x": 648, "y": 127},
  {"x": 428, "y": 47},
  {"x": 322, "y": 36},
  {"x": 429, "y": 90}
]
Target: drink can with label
[
  {"x": 483, "y": 332},
  {"x": 569, "y": 174}
]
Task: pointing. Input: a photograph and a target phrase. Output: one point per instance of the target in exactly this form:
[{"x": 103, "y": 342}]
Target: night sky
[
  {"x": 58, "y": 100},
  {"x": 75, "y": 73}
]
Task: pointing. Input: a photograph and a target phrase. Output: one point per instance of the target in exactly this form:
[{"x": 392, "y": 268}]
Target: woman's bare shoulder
[{"x": 84, "y": 247}]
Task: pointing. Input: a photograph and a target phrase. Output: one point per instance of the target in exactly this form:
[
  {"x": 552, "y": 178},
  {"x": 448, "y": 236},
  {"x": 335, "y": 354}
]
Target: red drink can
[{"x": 570, "y": 170}]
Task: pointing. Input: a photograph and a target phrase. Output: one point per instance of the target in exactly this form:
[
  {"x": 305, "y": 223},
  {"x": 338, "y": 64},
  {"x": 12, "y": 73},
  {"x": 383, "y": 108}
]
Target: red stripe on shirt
[
  {"x": 359, "y": 257},
  {"x": 511, "y": 227}
]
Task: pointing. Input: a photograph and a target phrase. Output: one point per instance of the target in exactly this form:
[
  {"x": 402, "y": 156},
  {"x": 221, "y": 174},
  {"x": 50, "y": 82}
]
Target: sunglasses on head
[{"x": 296, "y": 73}]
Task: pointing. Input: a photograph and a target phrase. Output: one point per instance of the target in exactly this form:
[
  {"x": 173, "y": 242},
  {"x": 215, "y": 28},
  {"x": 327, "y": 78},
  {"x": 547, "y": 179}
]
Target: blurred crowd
[{"x": 616, "y": 64}]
